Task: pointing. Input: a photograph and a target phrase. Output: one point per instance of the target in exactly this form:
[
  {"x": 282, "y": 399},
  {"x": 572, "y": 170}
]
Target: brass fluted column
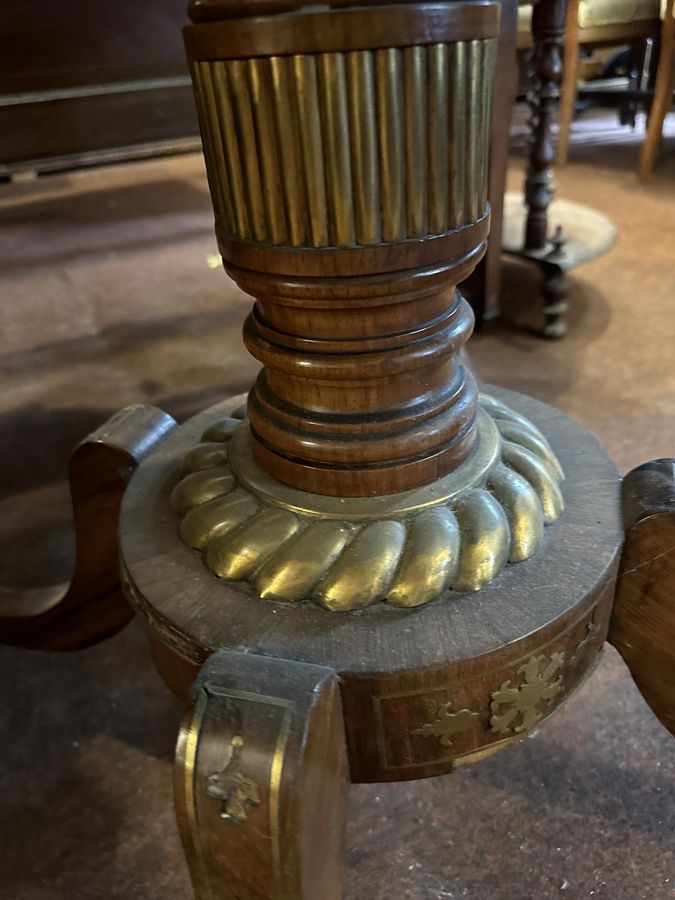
[
  {"x": 347, "y": 159},
  {"x": 347, "y": 156}
]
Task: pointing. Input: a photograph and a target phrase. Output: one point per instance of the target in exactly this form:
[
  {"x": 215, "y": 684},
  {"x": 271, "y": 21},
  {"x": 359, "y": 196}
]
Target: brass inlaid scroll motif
[
  {"x": 231, "y": 787},
  {"x": 447, "y": 724},
  {"x": 592, "y": 630},
  {"x": 518, "y": 708}
]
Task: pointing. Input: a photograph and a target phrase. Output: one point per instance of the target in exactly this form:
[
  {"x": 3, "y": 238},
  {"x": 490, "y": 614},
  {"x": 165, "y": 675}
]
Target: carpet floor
[{"x": 112, "y": 294}]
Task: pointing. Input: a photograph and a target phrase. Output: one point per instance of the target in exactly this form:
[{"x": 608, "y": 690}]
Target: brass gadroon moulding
[{"x": 405, "y": 548}]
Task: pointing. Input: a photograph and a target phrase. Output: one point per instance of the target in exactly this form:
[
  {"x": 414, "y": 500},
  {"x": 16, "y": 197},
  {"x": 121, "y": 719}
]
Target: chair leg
[
  {"x": 568, "y": 92},
  {"x": 663, "y": 98},
  {"x": 261, "y": 780},
  {"x": 663, "y": 94}
]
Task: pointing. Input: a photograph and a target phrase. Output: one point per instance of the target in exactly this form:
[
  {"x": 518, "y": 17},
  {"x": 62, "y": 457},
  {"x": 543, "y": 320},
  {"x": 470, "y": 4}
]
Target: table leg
[
  {"x": 548, "y": 22},
  {"x": 261, "y": 780}
]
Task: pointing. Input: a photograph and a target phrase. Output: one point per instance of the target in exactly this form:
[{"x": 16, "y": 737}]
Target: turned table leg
[
  {"x": 548, "y": 22},
  {"x": 261, "y": 780}
]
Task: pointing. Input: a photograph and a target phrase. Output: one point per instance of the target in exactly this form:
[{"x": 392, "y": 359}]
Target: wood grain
[
  {"x": 397, "y": 668},
  {"x": 261, "y": 780},
  {"x": 342, "y": 29},
  {"x": 663, "y": 92},
  {"x": 642, "y": 626},
  {"x": 325, "y": 145},
  {"x": 93, "y": 607}
]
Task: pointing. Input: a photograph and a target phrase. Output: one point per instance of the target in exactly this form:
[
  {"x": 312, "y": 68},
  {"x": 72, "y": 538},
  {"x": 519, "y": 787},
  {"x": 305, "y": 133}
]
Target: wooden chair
[
  {"x": 663, "y": 93},
  {"x": 592, "y": 24}
]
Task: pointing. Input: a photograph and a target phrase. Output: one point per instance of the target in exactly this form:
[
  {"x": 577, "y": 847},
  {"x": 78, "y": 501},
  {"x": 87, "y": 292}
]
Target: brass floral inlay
[
  {"x": 234, "y": 790},
  {"x": 525, "y": 700}
]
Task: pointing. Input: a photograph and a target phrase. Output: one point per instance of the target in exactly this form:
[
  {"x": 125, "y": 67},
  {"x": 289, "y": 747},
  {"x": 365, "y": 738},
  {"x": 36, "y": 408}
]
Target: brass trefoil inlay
[{"x": 234, "y": 790}]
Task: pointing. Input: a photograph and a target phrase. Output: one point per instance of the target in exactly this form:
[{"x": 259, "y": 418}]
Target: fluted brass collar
[{"x": 345, "y": 554}]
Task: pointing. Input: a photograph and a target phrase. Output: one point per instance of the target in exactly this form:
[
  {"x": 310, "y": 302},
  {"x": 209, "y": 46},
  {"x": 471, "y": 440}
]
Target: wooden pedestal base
[
  {"x": 288, "y": 702},
  {"x": 261, "y": 780},
  {"x": 289, "y": 696}
]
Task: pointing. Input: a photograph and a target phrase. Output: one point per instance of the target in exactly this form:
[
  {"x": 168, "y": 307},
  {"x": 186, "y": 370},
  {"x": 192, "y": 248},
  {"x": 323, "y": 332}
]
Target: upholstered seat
[
  {"x": 602, "y": 12},
  {"x": 602, "y": 23}
]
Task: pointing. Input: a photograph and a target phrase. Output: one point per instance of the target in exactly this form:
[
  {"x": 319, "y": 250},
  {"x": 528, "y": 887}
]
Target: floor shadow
[
  {"x": 523, "y": 359},
  {"x": 48, "y": 232}
]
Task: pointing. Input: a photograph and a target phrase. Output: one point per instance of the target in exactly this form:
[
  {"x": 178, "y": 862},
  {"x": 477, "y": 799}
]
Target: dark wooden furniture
[
  {"x": 90, "y": 81},
  {"x": 364, "y": 570},
  {"x": 482, "y": 287},
  {"x": 633, "y": 31},
  {"x": 529, "y": 234},
  {"x": 561, "y": 238}
]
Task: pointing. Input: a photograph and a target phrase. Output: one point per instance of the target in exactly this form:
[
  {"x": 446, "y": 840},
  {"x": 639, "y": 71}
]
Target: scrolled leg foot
[
  {"x": 261, "y": 780},
  {"x": 93, "y": 606},
  {"x": 642, "y": 627}
]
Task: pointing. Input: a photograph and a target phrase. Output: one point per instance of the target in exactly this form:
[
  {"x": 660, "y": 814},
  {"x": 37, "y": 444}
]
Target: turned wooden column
[
  {"x": 545, "y": 71},
  {"x": 347, "y": 158}
]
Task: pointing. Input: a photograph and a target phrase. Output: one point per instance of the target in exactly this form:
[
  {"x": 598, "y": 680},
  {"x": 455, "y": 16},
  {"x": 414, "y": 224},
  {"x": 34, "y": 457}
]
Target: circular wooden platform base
[{"x": 424, "y": 689}]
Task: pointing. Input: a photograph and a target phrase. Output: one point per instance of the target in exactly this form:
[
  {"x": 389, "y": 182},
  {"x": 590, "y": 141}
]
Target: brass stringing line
[
  {"x": 190, "y": 774},
  {"x": 380, "y": 732},
  {"x": 276, "y": 768},
  {"x": 275, "y": 800}
]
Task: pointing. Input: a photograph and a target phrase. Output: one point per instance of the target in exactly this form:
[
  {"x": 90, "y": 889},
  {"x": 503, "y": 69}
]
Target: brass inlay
[
  {"x": 347, "y": 149},
  {"x": 231, "y": 787},
  {"x": 426, "y": 696},
  {"x": 276, "y": 772},
  {"x": 189, "y": 776},
  {"x": 405, "y": 548},
  {"x": 518, "y": 708},
  {"x": 448, "y": 723},
  {"x": 226, "y": 775},
  {"x": 592, "y": 630}
]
